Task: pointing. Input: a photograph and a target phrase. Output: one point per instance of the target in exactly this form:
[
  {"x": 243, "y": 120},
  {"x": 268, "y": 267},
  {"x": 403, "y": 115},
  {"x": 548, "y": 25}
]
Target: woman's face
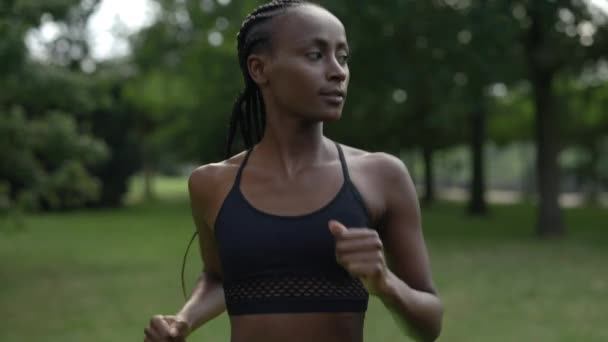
[{"x": 307, "y": 72}]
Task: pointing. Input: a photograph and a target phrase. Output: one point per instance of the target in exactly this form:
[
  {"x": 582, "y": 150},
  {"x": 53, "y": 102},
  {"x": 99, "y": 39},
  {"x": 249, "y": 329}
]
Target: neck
[{"x": 291, "y": 145}]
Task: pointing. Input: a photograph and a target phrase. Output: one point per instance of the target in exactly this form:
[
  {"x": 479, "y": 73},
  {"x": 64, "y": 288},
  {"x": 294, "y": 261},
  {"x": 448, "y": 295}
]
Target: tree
[
  {"x": 484, "y": 34},
  {"x": 554, "y": 40},
  {"x": 185, "y": 80},
  {"x": 397, "y": 96},
  {"x": 49, "y": 142}
]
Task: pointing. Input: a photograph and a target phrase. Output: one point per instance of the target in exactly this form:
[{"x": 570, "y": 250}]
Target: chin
[
  {"x": 332, "y": 117},
  {"x": 324, "y": 115}
]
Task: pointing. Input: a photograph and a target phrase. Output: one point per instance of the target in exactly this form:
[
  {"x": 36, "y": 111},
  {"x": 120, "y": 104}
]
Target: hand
[
  {"x": 166, "y": 329},
  {"x": 361, "y": 253}
]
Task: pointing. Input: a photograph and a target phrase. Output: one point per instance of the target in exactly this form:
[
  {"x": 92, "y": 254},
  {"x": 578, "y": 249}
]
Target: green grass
[{"x": 100, "y": 275}]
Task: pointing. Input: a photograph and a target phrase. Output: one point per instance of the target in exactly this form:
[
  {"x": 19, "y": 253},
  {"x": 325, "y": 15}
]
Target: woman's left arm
[
  {"x": 405, "y": 286},
  {"x": 408, "y": 289}
]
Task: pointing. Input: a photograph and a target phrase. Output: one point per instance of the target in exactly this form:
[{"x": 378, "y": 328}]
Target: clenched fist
[
  {"x": 361, "y": 253},
  {"x": 166, "y": 329}
]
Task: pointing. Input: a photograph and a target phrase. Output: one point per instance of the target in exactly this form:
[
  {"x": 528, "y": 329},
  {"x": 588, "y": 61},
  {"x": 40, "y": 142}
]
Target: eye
[
  {"x": 314, "y": 55},
  {"x": 343, "y": 58}
]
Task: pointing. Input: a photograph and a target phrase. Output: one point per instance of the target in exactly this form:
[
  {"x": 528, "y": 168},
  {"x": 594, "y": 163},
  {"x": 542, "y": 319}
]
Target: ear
[{"x": 258, "y": 68}]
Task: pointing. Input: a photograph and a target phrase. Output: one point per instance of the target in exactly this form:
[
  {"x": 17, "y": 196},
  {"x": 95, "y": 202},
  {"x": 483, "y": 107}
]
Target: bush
[{"x": 45, "y": 160}]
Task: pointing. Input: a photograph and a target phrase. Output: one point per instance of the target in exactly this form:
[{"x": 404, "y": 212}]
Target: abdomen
[{"x": 301, "y": 327}]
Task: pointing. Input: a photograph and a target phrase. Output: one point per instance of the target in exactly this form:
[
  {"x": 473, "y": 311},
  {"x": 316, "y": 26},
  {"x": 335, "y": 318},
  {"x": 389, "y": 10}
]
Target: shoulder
[
  {"x": 208, "y": 179},
  {"x": 386, "y": 167},
  {"x": 392, "y": 195},
  {"x": 384, "y": 181}
]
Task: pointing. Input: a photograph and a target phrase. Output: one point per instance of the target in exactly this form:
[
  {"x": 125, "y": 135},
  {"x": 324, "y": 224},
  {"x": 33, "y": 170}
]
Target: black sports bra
[{"x": 287, "y": 264}]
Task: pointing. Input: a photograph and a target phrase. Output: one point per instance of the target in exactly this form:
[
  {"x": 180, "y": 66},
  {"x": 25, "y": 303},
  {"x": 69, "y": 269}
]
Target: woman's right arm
[{"x": 207, "y": 298}]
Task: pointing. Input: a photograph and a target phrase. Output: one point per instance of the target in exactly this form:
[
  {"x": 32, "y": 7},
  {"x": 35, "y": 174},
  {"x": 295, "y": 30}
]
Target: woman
[{"x": 294, "y": 231}]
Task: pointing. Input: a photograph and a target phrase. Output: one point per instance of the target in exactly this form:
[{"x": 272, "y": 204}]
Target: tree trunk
[
  {"x": 549, "y": 221},
  {"x": 429, "y": 182},
  {"x": 477, "y": 201},
  {"x": 542, "y": 67},
  {"x": 148, "y": 175}
]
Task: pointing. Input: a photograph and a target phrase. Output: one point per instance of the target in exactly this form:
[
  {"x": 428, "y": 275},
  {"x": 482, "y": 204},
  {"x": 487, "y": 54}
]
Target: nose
[{"x": 337, "y": 71}]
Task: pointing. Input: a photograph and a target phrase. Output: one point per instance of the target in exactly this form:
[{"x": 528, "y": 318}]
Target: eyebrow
[{"x": 324, "y": 43}]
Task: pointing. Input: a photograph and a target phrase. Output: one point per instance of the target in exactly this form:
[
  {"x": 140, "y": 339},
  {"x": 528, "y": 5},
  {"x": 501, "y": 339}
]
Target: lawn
[{"x": 99, "y": 275}]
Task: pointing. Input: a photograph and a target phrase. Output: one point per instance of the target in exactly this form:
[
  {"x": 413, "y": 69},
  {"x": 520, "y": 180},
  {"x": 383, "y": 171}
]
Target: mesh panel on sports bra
[{"x": 296, "y": 286}]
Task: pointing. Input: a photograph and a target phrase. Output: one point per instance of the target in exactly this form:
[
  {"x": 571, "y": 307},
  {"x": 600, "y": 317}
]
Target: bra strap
[
  {"x": 343, "y": 163},
  {"x": 237, "y": 181}
]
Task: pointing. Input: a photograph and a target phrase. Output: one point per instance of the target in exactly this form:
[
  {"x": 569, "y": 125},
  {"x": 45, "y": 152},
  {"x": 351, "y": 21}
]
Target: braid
[{"x": 249, "y": 111}]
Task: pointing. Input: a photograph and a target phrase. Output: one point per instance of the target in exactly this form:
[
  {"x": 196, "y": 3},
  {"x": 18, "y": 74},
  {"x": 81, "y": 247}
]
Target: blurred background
[{"x": 499, "y": 109}]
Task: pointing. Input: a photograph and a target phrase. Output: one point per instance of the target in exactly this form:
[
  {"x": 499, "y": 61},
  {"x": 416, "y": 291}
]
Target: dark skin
[{"x": 295, "y": 170}]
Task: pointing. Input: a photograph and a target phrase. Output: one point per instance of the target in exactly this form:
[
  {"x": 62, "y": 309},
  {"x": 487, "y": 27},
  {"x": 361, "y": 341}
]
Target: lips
[
  {"x": 335, "y": 97},
  {"x": 333, "y": 93}
]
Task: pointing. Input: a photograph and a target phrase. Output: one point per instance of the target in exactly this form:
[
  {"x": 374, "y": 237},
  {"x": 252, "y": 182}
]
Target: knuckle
[{"x": 378, "y": 244}]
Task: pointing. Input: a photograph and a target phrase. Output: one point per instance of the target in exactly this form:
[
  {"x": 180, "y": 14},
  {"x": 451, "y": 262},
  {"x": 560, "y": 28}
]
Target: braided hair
[{"x": 249, "y": 111}]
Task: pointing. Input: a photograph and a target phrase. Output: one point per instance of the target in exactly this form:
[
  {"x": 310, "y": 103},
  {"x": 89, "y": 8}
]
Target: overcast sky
[
  {"x": 112, "y": 19},
  {"x": 130, "y": 14}
]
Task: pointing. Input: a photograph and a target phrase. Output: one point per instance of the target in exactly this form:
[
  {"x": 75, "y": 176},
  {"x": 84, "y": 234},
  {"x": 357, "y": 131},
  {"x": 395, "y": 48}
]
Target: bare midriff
[{"x": 298, "y": 327}]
